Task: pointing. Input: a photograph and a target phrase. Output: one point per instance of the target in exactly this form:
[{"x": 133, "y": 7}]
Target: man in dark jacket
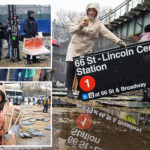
[
  {"x": 31, "y": 31},
  {"x": 7, "y": 37},
  {"x": 2, "y": 33}
]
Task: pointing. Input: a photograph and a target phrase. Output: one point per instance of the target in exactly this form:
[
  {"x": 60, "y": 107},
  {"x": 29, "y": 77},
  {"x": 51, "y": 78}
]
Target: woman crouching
[{"x": 9, "y": 117}]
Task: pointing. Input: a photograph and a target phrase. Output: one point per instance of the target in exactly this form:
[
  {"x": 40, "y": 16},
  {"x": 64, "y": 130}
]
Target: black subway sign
[{"x": 113, "y": 71}]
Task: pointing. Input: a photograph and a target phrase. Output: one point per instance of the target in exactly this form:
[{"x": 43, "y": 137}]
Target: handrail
[
  {"x": 120, "y": 10},
  {"x": 114, "y": 10}
]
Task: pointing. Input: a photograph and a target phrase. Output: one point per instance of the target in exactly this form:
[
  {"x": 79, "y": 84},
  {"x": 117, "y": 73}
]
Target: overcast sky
[
  {"x": 80, "y": 5},
  {"x": 74, "y": 5}
]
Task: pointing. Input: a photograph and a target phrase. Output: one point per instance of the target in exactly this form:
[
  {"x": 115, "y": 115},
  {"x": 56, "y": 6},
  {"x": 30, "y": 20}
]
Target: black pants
[
  {"x": 45, "y": 109},
  {"x": 70, "y": 73},
  {"x": 33, "y": 58}
]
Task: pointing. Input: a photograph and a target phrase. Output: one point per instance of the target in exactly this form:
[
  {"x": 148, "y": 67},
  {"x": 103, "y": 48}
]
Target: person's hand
[
  {"x": 83, "y": 24},
  {"x": 18, "y": 108},
  {"x": 122, "y": 44},
  {"x": 36, "y": 36},
  {"x": 9, "y": 28}
]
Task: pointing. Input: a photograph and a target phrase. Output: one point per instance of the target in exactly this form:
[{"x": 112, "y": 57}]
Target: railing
[{"x": 120, "y": 10}]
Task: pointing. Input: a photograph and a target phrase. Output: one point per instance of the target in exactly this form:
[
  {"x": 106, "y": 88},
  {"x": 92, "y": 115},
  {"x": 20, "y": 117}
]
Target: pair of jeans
[
  {"x": 70, "y": 73},
  {"x": 3, "y": 74},
  {"x": 45, "y": 108},
  {"x": 16, "y": 74},
  {"x": 27, "y": 79}
]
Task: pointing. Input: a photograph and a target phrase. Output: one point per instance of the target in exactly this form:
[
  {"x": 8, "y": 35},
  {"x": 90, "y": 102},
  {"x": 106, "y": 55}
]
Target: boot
[
  {"x": 7, "y": 57},
  {"x": 34, "y": 60},
  {"x": 28, "y": 59},
  {"x": 79, "y": 97},
  {"x": 69, "y": 93}
]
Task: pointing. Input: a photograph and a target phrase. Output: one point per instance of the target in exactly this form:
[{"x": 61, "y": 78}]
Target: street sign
[
  {"x": 113, "y": 71},
  {"x": 14, "y": 33}
]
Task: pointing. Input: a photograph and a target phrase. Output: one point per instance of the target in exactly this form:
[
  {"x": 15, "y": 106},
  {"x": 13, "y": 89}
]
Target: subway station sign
[{"x": 113, "y": 71}]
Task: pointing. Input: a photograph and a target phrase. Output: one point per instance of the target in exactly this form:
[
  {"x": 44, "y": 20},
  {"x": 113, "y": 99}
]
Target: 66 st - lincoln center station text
[{"x": 107, "y": 56}]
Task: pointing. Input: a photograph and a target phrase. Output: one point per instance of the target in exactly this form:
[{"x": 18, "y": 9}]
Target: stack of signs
[
  {"x": 113, "y": 71},
  {"x": 14, "y": 32},
  {"x": 35, "y": 46}
]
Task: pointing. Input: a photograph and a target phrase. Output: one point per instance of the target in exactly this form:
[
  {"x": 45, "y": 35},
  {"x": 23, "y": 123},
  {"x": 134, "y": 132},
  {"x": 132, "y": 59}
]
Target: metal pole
[
  {"x": 53, "y": 29},
  {"x": 142, "y": 1},
  {"x": 8, "y": 74},
  {"x": 109, "y": 17},
  {"x": 127, "y": 10}
]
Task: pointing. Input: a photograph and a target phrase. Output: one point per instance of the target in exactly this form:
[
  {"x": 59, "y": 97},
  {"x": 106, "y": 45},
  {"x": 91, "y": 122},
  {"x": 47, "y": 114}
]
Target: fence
[{"x": 41, "y": 12}]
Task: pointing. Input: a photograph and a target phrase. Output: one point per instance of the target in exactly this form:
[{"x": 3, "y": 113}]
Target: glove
[{"x": 121, "y": 44}]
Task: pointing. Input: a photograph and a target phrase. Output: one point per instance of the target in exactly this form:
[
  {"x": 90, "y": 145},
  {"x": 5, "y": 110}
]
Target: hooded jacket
[
  {"x": 2, "y": 30},
  {"x": 83, "y": 40},
  {"x": 144, "y": 37},
  {"x": 29, "y": 73},
  {"x": 30, "y": 26},
  {"x": 7, "y": 111},
  {"x": 44, "y": 102}
]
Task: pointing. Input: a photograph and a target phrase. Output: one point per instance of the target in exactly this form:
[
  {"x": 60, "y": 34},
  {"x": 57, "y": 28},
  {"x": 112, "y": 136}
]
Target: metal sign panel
[
  {"x": 14, "y": 32},
  {"x": 35, "y": 46},
  {"x": 113, "y": 71}
]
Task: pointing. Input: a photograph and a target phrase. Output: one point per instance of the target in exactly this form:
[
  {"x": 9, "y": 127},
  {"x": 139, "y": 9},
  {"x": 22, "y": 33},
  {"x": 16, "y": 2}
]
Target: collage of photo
[
  {"x": 75, "y": 75},
  {"x": 25, "y": 76}
]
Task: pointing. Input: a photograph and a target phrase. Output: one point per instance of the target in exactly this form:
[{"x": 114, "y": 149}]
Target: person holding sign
[
  {"x": 30, "y": 28},
  {"x": 9, "y": 117},
  {"x": 85, "y": 30}
]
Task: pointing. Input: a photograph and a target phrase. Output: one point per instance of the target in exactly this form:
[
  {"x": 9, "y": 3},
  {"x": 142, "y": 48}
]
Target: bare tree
[
  {"x": 64, "y": 19},
  {"x": 60, "y": 26}
]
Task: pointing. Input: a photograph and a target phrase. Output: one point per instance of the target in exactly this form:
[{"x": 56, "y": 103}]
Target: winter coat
[
  {"x": 29, "y": 73},
  {"x": 43, "y": 75},
  {"x": 30, "y": 26},
  {"x": 144, "y": 37},
  {"x": 2, "y": 30},
  {"x": 44, "y": 102},
  {"x": 7, "y": 33},
  {"x": 7, "y": 111},
  {"x": 83, "y": 39}
]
